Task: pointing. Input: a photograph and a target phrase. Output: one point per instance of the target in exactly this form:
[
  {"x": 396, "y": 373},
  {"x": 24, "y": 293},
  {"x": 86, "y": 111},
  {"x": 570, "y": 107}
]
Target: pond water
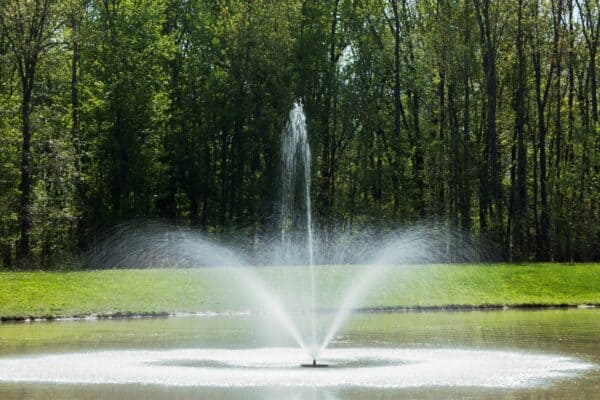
[{"x": 480, "y": 354}]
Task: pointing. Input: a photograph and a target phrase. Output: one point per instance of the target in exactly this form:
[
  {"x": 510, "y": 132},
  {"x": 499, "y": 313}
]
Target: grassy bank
[{"x": 54, "y": 294}]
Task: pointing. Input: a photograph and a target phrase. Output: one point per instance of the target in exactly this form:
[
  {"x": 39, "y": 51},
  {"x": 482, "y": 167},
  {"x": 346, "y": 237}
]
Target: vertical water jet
[{"x": 296, "y": 213}]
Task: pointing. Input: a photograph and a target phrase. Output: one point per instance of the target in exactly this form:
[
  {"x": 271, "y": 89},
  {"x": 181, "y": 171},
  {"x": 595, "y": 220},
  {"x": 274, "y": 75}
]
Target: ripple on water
[{"x": 264, "y": 367}]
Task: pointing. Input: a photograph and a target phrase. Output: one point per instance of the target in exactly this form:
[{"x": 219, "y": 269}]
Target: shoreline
[
  {"x": 363, "y": 310},
  {"x": 161, "y": 293}
]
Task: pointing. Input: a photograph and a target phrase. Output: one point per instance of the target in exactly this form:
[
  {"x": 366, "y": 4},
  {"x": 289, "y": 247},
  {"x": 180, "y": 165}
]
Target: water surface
[{"x": 529, "y": 354}]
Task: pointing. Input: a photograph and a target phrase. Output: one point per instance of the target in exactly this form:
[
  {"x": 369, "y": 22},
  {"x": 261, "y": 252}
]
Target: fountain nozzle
[{"x": 314, "y": 364}]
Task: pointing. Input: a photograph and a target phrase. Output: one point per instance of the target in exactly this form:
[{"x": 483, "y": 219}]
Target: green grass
[{"x": 54, "y": 294}]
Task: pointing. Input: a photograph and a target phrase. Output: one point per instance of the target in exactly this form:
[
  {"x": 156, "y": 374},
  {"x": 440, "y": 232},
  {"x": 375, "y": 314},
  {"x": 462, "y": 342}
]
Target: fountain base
[{"x": 314, "y": 365}]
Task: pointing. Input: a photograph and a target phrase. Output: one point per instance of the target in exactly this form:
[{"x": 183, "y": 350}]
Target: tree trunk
[
  {"x": 488, "y": 43},
  {"x": 493, "y": 151},
  {"x": 520, "y": 198},
  {"x": 536, "y": 221},
  {"x": 454, "y": 184},
  {"x": 465, "y": 190},
  {"x": 397, "y": 108},
  {"x": 557, "y": 10},
  {"x": 594, "y": 84},
  {"x": 122, "y": 204},
  {"x": 25, "y": 186},
  {"x": 483, "y": 179},
  {"x": 76, "y": 127},
  {"x": 571, "y": 76},
  {"x": 541, "y": 97},
  {"x": 510, "y": 223},
  {"x": 543, "y": 233},
  {"x": 441, "y": 195},
  {"x": 413, "y": 95},
  {"x": 325, "y": 191}
]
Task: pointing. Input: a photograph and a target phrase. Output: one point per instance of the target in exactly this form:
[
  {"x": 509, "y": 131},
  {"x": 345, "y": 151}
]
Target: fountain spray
[{"x": 295, "y": 174}]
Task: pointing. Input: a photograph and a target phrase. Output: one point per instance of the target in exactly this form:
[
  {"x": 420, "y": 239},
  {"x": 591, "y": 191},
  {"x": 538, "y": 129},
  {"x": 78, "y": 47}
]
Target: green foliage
[
  {"x": 9, "y": 178},
  {"x": 174, "y": 109}
]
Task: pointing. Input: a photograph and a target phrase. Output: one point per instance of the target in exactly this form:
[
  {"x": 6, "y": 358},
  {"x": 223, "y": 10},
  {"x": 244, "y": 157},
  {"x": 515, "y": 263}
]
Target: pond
[{"x": 508, "y": 354}]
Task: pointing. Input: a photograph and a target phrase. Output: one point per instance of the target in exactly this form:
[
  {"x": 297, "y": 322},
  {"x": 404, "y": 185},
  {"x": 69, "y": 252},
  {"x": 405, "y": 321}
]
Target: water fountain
[
  {"x": 368, "y": 254},
  {"x": 296, "y": 176},
  {"x": 155, "y": 244}
]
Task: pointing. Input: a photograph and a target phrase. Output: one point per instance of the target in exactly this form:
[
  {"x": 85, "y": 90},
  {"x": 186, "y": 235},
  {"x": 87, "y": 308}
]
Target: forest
[{"x": 476, "y": 115}]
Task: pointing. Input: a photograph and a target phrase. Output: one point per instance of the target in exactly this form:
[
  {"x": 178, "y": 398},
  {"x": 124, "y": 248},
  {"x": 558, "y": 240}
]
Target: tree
[
  {"x": 487, "y": 12},
  {"x": 480, "y": 115},
  {"x": 29, "y": 29}
]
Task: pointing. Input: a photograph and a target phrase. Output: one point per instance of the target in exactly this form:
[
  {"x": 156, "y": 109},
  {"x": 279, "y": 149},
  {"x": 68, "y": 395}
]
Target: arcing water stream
[{"x": 160, "y": 245}]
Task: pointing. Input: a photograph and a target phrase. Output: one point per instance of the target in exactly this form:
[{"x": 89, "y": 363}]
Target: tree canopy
[{"x": 479, "y": 115}]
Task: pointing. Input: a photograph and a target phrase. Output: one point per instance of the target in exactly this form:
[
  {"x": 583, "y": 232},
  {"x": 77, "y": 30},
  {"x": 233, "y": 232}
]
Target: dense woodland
[{"x": 478, "y": 115}]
